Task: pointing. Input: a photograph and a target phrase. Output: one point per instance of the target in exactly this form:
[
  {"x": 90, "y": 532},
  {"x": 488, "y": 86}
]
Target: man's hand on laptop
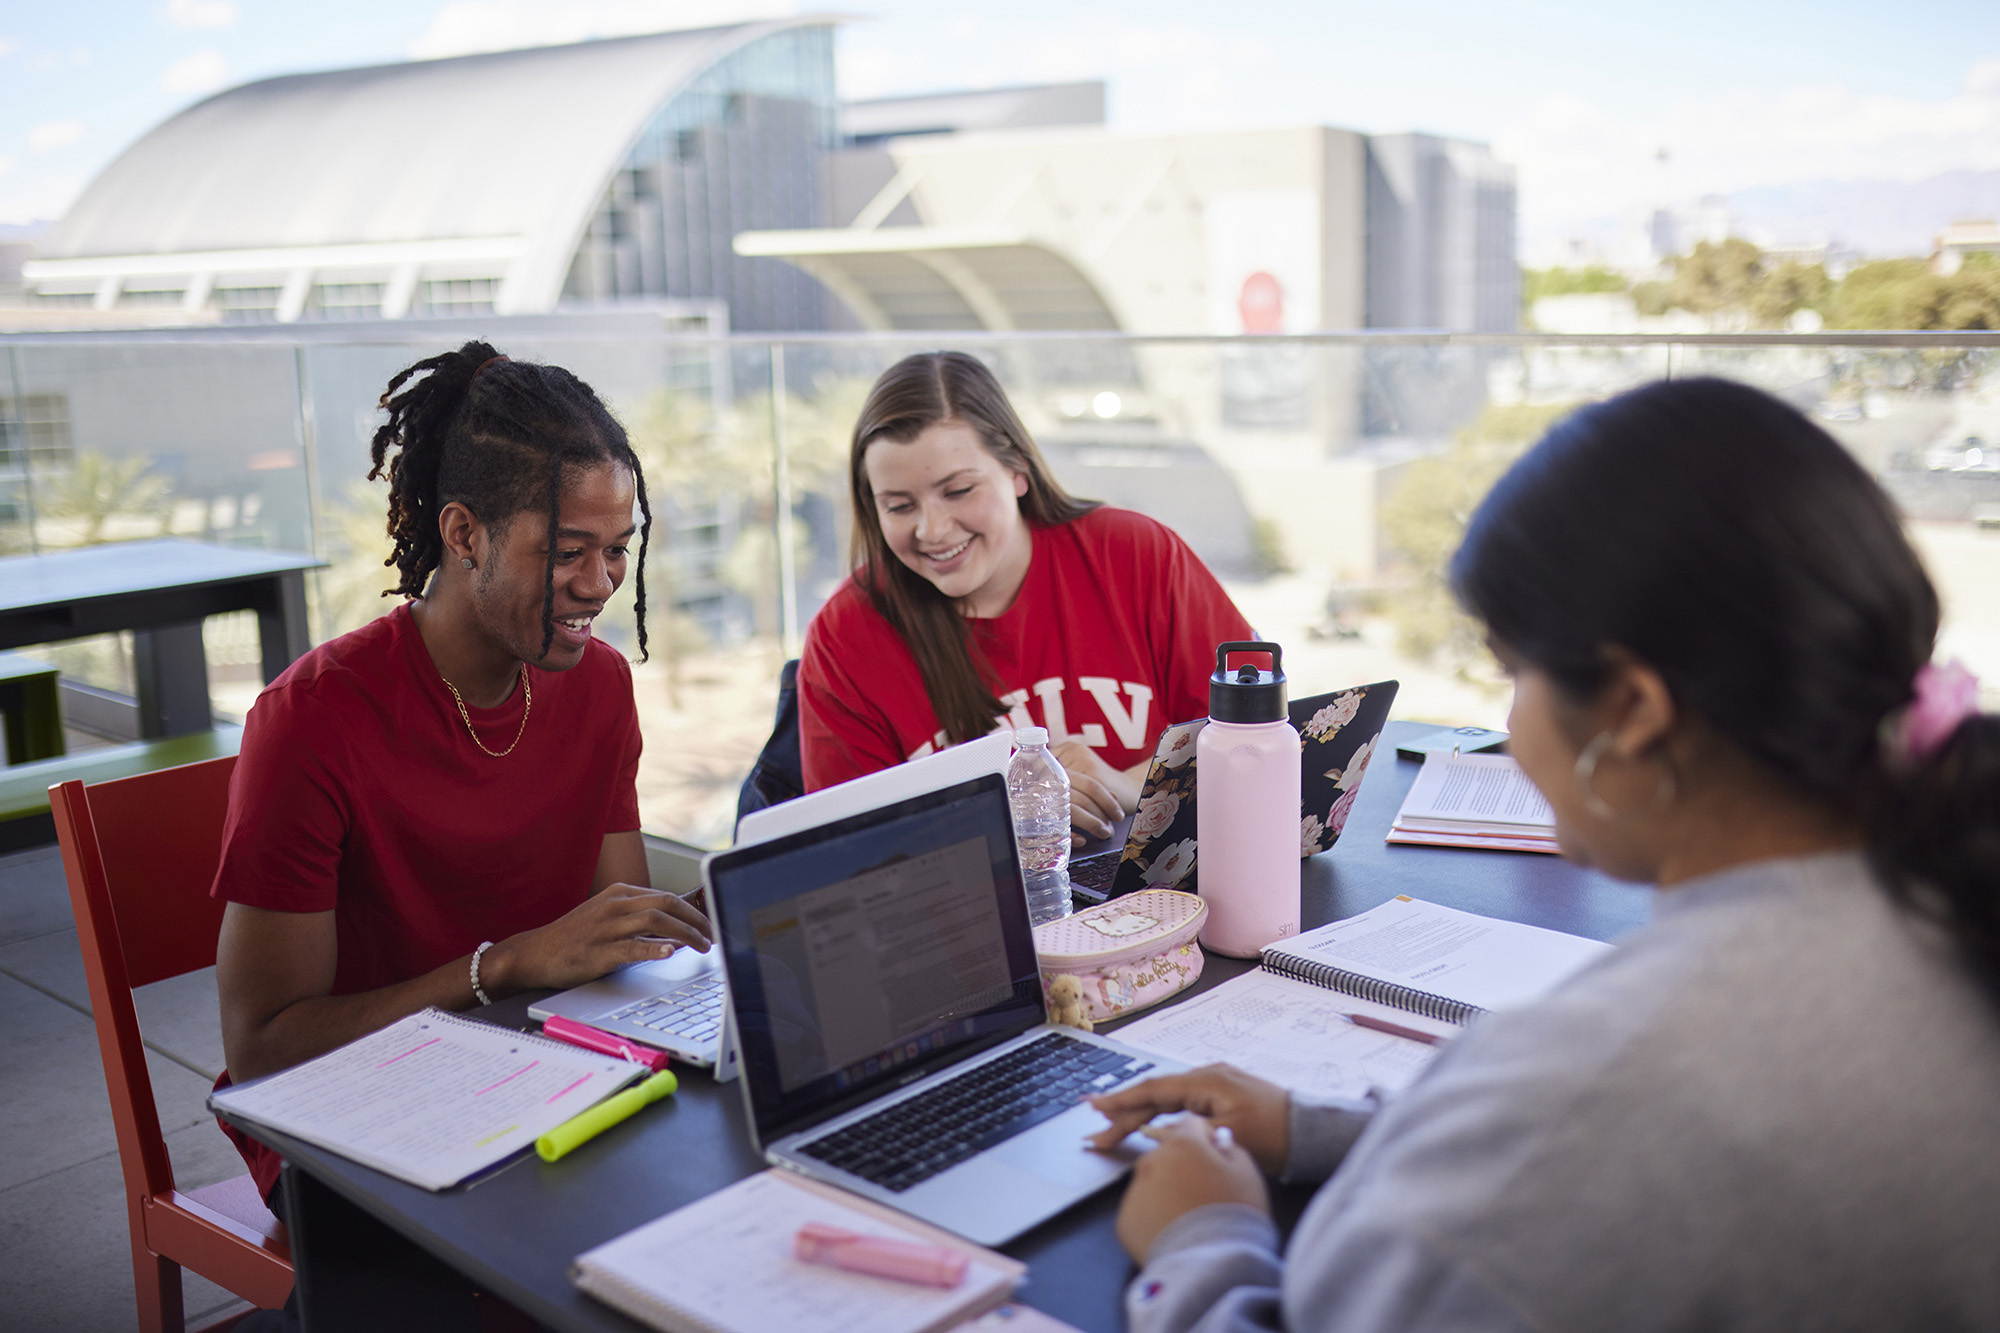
[
  {"x": 1099, "y": 795},
  {"x": 622, "y": 924}
]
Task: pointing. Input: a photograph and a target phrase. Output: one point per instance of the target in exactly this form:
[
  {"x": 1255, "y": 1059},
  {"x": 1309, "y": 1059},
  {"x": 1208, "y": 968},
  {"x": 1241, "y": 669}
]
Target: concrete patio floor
[{"x": 65, "y": 1249}]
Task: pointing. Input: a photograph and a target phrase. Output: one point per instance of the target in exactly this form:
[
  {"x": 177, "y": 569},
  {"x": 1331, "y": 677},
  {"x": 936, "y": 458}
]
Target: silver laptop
[
  {"x": 945, "y": 768},
  {"x": 883, "y": 983},
  {"x": 676, "y": 1003}
]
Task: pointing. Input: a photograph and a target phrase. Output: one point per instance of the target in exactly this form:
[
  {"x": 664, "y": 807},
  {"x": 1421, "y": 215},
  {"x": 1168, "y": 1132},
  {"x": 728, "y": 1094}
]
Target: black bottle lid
[{"x": 1247, "y": 694}]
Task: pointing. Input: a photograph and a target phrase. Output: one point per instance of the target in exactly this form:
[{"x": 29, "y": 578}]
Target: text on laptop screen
[
  {"x": 862, "y": 951},
  {"x": 879, "y": 956}
]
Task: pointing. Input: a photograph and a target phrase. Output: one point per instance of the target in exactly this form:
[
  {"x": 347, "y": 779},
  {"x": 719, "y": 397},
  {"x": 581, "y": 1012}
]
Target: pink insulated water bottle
[{"x": 1247, "y": 806}]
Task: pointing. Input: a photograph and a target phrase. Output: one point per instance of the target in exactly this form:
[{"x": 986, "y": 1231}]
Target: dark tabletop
[{"x": 515, "y": 1231}]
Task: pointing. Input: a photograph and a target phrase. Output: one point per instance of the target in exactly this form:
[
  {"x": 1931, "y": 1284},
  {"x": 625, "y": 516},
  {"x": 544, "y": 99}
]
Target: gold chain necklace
[{"x": 527, "y": 703}]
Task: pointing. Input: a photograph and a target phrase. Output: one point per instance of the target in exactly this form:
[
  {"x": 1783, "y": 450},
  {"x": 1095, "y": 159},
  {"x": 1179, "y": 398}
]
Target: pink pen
[
  {"x": 595, "y": 1039},
  {"x": 881, "y": 1256}
]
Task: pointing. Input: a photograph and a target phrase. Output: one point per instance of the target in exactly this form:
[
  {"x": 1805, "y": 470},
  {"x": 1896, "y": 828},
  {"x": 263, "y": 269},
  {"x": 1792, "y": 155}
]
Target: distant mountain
[{"x": 1880, "y": 218}]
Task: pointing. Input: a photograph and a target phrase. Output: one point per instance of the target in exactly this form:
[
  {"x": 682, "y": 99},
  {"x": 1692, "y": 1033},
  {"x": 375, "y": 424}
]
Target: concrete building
[
  {"x": 510, "y": 183},
  {"x": 712, "y": 170}
]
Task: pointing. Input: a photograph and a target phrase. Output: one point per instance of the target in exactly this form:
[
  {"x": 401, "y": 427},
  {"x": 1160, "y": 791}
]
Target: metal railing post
[{"x": 788, "y": 584}]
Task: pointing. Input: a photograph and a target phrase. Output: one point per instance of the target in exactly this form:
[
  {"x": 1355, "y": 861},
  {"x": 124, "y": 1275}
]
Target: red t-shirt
[
  {"x": 1110, "y": 641},
  {"x": 358, "y": 791}
]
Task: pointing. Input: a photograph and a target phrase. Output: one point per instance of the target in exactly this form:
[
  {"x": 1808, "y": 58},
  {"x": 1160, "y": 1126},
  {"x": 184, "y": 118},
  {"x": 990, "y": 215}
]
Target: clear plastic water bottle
[{"x": 1038, "y": 791}]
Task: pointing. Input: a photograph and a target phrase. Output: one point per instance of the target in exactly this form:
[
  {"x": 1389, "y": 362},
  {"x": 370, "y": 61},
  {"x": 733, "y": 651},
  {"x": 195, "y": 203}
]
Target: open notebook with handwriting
[{"x": 434, "y": 1098}]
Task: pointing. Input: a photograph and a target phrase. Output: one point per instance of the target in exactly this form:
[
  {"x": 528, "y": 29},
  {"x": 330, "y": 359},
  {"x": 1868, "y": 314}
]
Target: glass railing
[{"x": 1324, "y": 479}]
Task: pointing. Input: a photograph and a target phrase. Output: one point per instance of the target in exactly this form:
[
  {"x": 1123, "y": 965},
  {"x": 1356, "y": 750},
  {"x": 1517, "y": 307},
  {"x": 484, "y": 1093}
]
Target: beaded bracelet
[{"x": 477, "y": 989}]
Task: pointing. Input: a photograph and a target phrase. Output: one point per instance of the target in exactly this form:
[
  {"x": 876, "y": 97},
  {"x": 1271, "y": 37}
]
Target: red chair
[{"x": 141, "y": 853}]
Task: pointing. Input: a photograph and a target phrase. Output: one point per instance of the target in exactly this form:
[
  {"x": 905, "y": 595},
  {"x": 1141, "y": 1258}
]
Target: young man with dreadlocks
[{"x": 439, "y": 808}]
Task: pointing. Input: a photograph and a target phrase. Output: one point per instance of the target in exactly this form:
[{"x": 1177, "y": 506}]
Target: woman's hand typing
[
  {"x": 1257, "y": 1113},
  {"x": 1099, "y": 795},
  {"x": 1193, "y": 1165}
]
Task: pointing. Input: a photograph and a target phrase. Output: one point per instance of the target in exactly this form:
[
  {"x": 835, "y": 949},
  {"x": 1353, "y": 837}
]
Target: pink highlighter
[{"x": 881, "y": 1256}]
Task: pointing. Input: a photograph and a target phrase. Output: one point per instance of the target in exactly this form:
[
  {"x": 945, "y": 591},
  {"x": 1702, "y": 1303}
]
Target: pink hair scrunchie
[{"x": 1945, "y": 696}]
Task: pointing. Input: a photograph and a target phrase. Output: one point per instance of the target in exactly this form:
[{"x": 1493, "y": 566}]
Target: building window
[
  {"x": 345, "y": 300},
  {"x": 66, "y": 300},
  {"x": 152, "y": 298},
  {"x": 34, "y": 429},
  {"x": 457, "y": 296},
  {"x": 248, "y": 305}
]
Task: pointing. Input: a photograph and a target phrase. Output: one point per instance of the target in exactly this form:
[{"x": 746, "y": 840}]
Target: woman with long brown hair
[{"x": 984, "y": 594}]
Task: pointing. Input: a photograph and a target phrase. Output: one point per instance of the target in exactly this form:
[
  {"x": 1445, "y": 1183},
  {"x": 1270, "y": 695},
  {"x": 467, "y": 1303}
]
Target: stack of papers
[{"x": 1475, "y": 800}]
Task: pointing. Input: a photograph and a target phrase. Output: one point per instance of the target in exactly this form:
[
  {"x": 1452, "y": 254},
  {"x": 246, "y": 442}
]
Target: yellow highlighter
[{"x": 581, "y": 1129}]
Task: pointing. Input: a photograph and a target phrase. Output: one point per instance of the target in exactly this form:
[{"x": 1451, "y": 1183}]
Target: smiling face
[
  {"x": 594, "y": 531},
  {"x": 951, "y": 511}
]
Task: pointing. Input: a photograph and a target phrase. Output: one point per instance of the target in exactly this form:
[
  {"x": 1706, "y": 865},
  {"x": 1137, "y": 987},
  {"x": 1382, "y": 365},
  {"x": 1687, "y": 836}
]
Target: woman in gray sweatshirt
[{"x": 1776, "y": 1107}]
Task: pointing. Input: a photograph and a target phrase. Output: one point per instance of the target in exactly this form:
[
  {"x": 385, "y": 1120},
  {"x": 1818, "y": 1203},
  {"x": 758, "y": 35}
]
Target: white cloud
[
  {"x": 202, "y": 72},
  {"x": 35, "y": 197},
  {"x": 462, "y": 27},
  {"x": 8, "y": 46},
  {"x": 200, "y": 13},
  {"x": 53, "y": 134},
  {"x": 1574, "y": 161},
  {"x": 867, "y": 69}
]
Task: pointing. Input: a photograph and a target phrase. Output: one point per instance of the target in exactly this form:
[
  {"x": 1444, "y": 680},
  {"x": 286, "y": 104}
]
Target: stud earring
[{"x": 466, "y": 561}]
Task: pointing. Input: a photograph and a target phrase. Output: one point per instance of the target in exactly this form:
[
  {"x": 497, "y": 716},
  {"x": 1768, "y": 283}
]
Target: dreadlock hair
[{"x": 500, "y": 437}]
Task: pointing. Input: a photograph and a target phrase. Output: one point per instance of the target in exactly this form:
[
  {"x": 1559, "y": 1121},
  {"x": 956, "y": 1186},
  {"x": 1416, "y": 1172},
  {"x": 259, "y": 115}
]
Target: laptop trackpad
[{"x": 1055, "y": 1150}]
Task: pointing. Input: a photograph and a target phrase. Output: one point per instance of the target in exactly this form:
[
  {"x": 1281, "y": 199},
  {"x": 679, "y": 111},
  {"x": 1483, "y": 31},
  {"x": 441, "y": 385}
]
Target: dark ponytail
[
  {"x": 1934, "y": 834},
  {"x": 1736, "y": 548},
  {"x": 499, "y": 437}
]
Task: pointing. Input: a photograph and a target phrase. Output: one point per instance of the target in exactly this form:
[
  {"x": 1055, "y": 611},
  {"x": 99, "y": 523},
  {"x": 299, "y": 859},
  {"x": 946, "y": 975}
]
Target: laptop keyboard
[
  {"x": 908, "y": 1143},
  {"x": 1094, "y": 874},
  {"x": 693, "y": 1012}
]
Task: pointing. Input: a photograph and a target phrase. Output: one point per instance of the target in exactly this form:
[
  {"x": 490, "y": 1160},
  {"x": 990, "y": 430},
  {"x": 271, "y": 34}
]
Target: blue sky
[{"x": 1578, "y": 96}]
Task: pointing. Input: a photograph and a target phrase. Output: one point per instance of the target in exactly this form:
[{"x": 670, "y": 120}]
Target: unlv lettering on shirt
[{"x": 1127, "y": 720}]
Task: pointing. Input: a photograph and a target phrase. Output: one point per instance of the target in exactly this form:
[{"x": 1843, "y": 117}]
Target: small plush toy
[{"x": 1066, "y": 1002}]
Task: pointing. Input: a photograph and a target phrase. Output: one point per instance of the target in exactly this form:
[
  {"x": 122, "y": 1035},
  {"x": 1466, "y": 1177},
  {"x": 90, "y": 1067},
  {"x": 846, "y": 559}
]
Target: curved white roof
[{"x": 511, "y": 146}]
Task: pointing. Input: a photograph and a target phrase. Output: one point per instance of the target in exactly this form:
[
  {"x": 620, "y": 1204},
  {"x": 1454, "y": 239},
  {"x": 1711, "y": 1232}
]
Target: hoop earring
[{"x": 1586, "y": 778}]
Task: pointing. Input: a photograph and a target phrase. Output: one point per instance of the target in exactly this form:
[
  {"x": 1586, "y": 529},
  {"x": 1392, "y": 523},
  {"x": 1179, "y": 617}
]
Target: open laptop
[
  {"x": 944, "y": 768},
  {"x": 1156, "y": 844},
  {"x": 676, "y": 1003},
  {"x": 884, "y": 987}
]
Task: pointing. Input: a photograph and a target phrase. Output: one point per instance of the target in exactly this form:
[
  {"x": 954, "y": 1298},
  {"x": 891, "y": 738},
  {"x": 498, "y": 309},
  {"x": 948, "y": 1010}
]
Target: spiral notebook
[
  {"x": 1407, "y": 962},
  {"x": 433, "y": 1098}
]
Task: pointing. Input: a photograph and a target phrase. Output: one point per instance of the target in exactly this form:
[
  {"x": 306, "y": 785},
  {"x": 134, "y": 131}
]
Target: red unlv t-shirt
[
  {"x": 1110, "y": 641},
  {"x": 359, "y": 792}
]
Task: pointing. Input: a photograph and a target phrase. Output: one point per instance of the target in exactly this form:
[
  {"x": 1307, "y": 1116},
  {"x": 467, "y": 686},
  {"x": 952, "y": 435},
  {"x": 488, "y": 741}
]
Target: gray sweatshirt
[{"x": 1776, "y": 1107}]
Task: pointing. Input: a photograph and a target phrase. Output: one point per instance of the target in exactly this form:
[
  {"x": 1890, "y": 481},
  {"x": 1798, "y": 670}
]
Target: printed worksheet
[
  {"x": 1293, "y": 1033},
  {"x": 434, "y": 1098}
]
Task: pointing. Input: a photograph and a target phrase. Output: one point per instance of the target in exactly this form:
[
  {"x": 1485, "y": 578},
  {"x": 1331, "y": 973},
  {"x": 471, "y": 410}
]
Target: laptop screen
[{"x": 865, "y": 953}]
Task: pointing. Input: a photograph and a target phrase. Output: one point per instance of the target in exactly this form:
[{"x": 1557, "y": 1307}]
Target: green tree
[
  {"x": 1717, "y": 278},
  {"x": 1784, "y": 290},
  {"x": 1424, "y": 517},
  {"x": 1905, "y": 294},
  {"x": 1539, "y": 282},
  {"x": 97, "y": 489}
]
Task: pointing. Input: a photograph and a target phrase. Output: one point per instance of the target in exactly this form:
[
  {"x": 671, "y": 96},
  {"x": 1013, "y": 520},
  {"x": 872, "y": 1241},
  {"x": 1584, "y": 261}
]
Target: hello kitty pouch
[{"x": 1128, "y": 953}]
